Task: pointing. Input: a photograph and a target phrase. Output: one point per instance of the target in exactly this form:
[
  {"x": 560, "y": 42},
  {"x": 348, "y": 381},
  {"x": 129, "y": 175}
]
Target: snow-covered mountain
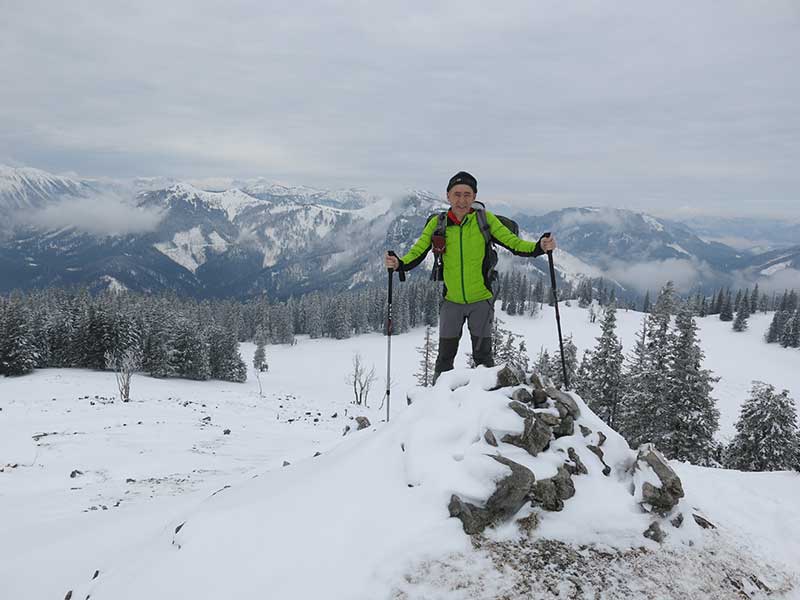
[{"x": 259, "y": 236}]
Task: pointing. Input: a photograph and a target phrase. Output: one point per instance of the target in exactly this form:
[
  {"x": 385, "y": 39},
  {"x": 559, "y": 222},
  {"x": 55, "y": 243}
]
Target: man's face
[{"x": 461, "y": 198}]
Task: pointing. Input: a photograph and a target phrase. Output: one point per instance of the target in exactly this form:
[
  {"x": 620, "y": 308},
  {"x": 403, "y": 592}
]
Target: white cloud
[
  {"x": 98, "y": 215},
  {"x": 643, "y": 276}
]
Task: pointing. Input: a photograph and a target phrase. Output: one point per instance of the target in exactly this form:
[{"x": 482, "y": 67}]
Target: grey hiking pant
[{"x": 479, "y": 317}]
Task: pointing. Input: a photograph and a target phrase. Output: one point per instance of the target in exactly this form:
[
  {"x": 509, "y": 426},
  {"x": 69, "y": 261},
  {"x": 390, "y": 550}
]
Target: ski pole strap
[{"x": 401, "y": 273}]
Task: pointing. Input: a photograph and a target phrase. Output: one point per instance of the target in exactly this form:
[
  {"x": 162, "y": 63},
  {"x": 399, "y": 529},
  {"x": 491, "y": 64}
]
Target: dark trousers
[{"x": 479, "y": 317}]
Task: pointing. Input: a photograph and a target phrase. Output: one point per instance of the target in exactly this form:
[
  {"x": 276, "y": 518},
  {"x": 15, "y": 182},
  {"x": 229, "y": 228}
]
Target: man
[{"x": 467, "y": 269}]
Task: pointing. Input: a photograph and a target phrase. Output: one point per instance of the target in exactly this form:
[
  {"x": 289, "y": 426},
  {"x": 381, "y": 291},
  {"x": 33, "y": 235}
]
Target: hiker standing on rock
[{"x": 464, "y": 258}]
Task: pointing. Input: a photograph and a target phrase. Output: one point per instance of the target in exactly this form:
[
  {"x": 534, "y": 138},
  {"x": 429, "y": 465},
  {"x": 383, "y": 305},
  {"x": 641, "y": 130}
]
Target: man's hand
[
  {"x": 548, "y": 243},
  {"x": 391, "y": 262}
]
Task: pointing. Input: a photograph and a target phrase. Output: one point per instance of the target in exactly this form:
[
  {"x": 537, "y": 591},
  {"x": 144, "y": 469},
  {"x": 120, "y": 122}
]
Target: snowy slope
[{"x": 51, "y": 522}]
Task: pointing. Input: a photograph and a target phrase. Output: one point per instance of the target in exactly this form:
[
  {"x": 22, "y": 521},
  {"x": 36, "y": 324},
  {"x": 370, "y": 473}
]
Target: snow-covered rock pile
[{"x": 551, "y": 496}]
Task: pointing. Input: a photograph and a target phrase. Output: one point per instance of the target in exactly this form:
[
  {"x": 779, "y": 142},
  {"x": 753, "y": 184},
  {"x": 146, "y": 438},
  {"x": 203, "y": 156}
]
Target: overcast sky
[{"x": 672, "y": 107}]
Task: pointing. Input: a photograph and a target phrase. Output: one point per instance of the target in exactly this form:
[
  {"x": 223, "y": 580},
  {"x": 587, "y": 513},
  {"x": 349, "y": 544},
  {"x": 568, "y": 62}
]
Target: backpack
[{"x": 490, "y": 260}]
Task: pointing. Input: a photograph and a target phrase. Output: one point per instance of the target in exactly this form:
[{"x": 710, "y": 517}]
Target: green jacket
[{"x": 467, "y": 263}]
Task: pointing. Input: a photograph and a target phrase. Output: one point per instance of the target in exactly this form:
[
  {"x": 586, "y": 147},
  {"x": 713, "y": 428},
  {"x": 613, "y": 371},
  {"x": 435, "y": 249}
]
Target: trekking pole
[
  {"x": 389, "y": 327},
  {"x": 558, "y": 315}
]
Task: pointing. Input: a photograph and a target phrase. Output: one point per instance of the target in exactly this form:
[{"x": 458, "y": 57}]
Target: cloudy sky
[{"x": 673, "y": 107}]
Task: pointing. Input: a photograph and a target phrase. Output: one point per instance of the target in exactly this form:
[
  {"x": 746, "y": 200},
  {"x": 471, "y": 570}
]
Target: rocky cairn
[{"x": 548, "y": 414}]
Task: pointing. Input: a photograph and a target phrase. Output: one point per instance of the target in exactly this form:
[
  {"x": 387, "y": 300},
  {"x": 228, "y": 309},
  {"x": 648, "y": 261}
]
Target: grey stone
[
  {"x": 529, "y": 524},
  {"x": 565, "y": 427},
  {"x": 704, "y": 523},
  {"x": 473, "y": 518},
  {"x": 510, "y": 494},
  {"x": 522, "y": 395},
  {"x": 663, "y": 499},
  {"x": 535, "y": 437},
  {"x": 286, "y": 463},
  {"x": 566, "y": 401},
  {"x": 602, "y": 437},
  {"x": 577, "y": 467},
  {"x": 597, "y": 451},
  {"x": 490, "y": 439},
  {"x": 677, "y": 521},
  {"x": 522, "y": 410},
  {"x": 545, "y": 494},
  {"x": 585, "y": 431},
  {"x": 655, "y": 533},
  {"x": 363, "y": 423},
  {"x": 346, "y": 430},
  {"x": 536, "y": 382},
  {"x": 548, "y": 419},
  {"x": 540, "y": 398},
  {"x": 563, "y": 482},
  {"x": 507, "y": 377}
]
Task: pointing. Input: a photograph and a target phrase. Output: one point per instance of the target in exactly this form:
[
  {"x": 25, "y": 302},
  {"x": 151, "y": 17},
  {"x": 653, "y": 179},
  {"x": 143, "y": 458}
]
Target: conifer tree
[
  {"x": 605, "y": 370},
  {"x": 688, "y": 433},
  {"x": 766, "y": 433},
  {"x": 17, "y": 348},
  {"x": 427, "y": 361},
  {"x": 790, "y": 336},
  {"x": 726, "y": 310},
  {"x": 740, "y": 322},
  {"x": 190, "y": 352},
  {"x": 571, "y": 361},
  {"x": 224, "y": 360}
]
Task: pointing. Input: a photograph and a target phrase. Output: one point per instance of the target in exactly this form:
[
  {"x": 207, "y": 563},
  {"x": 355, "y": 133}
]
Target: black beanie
[{"x": 465, "y": 178}]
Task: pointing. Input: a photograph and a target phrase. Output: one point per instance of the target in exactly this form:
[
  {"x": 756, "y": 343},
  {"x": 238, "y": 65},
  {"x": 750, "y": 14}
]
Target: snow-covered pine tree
[
  {"x": 693, "y": 418},
  {"x": 740, "y": 322},
  {"x": 282, "y": 324},
  {"x": 754, "y": 299},
  {"x": 260, "y": 356},
  {"x": 790, "y": 336},
  {"x": 605, "y": 370},
  {"x": 571, "y": 361},
  {"x": 766, "y": 433},
  {"x": 224, "y": 360},
  {"x": 427, "y": 361},
  {"x": 646, "y": 303},
  {"x": 726, "y": 310},
  {"x": 583, "y": 380},
  {"x": 313, "y": 317},
  {"x": 17, "y": 348},
  {"x": 542, "y": 364},
  {"x": 190, "y": 351}
]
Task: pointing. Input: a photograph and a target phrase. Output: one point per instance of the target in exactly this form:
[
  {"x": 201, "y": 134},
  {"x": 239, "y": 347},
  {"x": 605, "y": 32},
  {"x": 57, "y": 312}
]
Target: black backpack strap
[{"x": 483, "y": 224}]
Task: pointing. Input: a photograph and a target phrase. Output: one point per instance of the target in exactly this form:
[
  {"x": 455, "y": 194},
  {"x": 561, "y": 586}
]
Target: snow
[
  {"x": 771, "y": 270},
  {"x": 653, "y": 223},
  {"x": 679, "y": 248},
  {"x": 344, "y": 524},
  {"x": 233, "y": 202},
  {"x": 113, "y": 284},
  {"x": 188, "y": 248}
]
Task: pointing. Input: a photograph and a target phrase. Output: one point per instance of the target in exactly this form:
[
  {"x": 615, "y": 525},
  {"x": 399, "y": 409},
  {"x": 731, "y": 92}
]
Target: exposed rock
[
  {"x": 585, "y": 431},
  {"x": 577, "y": 467},
  {"x": 535, "y": 437},
  {"x": 597, "y": 451},
  {"x": 540, "y": 398},
  {"x": 507, "y": 377},
  {"x": 363, "y": 423},
  {"x": 704, "y": 523},
  {"x": 602, "y": 437},
  {"x": 68, "y": 596},
  {"x": 286, "y": 463},
  {"x": 655, "y": 533},
  {"x": 536, "y": 382},
  {"x": 528, "y": 524},
  {"x": 509, "y": 496},
  {"x": 663, "y": 499},
  {"x": 473, "y": 518},
  {"x": 677, "y": 521},
  {"x": 565, "y": 427},
  {"x": 490, "y": 439},
  {"x": 545, "y": 494},
  {"x": 346, "y": 430},
  {"x": 549, "y": 419},
  {"x": 316, "y": 454},
  {"x": 564, "y": 485},
  {"x": 522, "y": 410},
  {"x": 226, "y": 432},
  {"x": 522, "y": 395},
  {"x": 75, "y": 473},
  {"x": 564, "y": 402}
]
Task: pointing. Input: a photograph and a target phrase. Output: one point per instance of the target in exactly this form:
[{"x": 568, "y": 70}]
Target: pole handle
[{"x": 402, "y": 274}]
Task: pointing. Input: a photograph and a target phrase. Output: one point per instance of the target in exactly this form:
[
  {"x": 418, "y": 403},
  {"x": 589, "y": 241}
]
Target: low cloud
[
  {"x": 601, "y": 216},
  {"x": 643, "y": 276},
  {"x": 97, "y": 215},
  {"x": 786, "y": 279}
]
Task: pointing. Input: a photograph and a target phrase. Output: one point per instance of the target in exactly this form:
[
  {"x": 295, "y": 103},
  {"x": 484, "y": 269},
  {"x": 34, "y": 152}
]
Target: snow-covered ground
[{"x": 147, "y": 466}]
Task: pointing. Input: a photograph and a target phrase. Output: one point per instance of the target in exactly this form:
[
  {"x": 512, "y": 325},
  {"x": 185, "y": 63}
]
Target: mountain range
[{"x": 257, "y": 236}]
